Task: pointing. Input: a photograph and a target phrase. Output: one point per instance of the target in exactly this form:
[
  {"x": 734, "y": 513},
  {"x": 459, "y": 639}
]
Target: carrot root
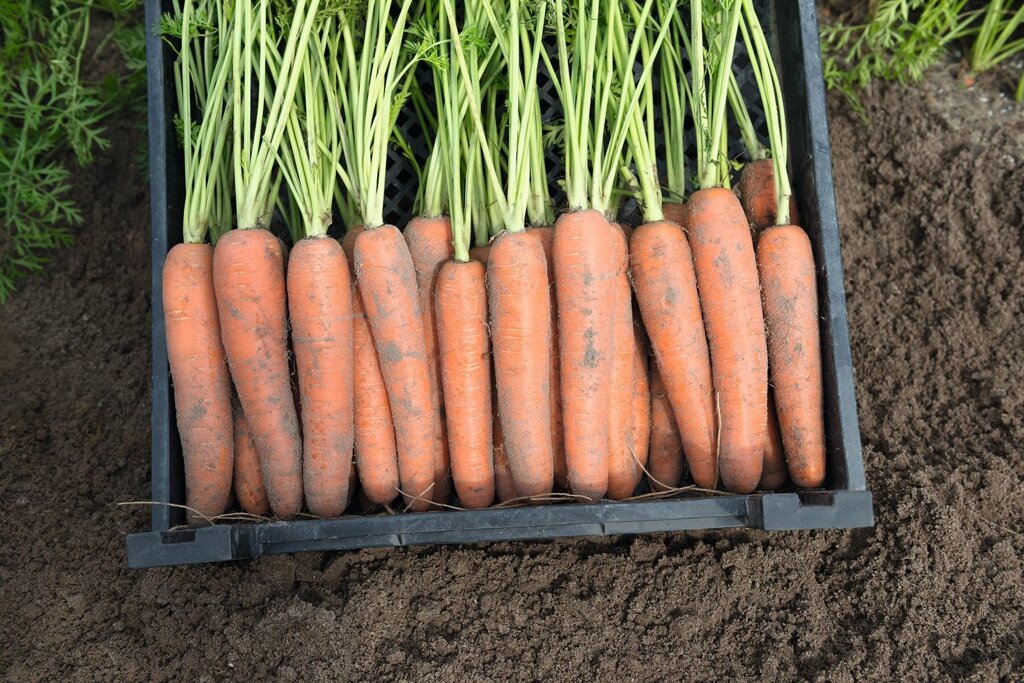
[
  {"x": 666, "y": 462},
  {"x": 546, "y": 235},
  {"x": 464, "y": 350},
  {"x": 666, "y": 291},
  {"x": 518, "y": 297},
  {"x": 249, "y": 489},
  {"x": 320, "y": 303},
  {"x": 249, "y": 279},
  {"x": 430, "y": 245},
  {"x": 623, "y": 468},
  {"x": 387, "y": 286},
  {"x": 730, "y": 297},
  {"x": 786, "y": 265},
  {"x": 586, "y": 270},
  {"x": 202, "y": 385},
  {"x": 773, "y": 473}
]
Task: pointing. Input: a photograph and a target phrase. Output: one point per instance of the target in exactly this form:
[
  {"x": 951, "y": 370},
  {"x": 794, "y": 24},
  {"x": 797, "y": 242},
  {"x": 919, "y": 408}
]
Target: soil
[{"x": 931, "y": 203}]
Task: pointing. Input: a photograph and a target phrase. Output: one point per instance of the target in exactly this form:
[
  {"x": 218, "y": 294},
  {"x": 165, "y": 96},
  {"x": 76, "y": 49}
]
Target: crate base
[{"x": 772, "y": 511}]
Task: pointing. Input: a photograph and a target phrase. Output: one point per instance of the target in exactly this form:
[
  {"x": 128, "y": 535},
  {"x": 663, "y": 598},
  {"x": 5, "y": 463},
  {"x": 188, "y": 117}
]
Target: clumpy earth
[{"x": 931, "y": 203}]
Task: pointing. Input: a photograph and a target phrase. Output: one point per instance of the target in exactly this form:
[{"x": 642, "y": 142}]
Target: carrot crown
[
  {"x": 774, "y": 111},
  {"x": 517, "y": 34},
  {"x": 259, "y": 81},
  {"x": 200, "y": 79},
  {"x": 712, "y": 43},
  {"x": 313, "y": 137},
  {"x": 640, "y": 122},
  {"x": 372, "y": 87},
  {"x": 592, "y": 46}
]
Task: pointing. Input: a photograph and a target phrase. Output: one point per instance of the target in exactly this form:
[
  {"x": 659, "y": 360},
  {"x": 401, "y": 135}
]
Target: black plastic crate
[{"x": 844, "y": 503}]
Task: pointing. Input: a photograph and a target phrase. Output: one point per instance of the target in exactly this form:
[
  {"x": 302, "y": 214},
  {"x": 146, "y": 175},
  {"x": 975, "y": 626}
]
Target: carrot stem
[{"x": 712, "y": 42}]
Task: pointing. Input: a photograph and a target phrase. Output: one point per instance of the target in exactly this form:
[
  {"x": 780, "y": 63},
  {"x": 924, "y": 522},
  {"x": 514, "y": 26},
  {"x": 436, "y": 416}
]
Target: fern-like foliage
[
  {"x": 51, "y": 120},
  {"x": 898, "y": 40}
]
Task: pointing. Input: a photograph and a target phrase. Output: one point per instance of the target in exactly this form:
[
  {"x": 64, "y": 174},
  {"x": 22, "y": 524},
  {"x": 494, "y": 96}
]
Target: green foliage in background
[
  {"x": 51, "y": 116},
  {"x": 897, "y": 40}
]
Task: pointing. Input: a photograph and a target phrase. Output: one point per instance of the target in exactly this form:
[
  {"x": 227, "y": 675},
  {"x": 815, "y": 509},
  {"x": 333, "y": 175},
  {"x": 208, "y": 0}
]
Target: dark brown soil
[{"x": 931, "y": 199}]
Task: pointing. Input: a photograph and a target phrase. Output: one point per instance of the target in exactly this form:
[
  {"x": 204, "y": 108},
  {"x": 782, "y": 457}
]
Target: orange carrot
[
  {"x": 546, "y": 235},
  {"x": 481, "y": 254},
  {"x": 756, "y": 190},
  {"x": 504, "y": 486},
  {"x": 249, "y": 489},
  {"x": 464, "y": 350},
  {"x": 623, "y": 470},
  {"x": 430, "y": 245},
  {"x": 320, "y": 307},
  {"x": 387, "y": 286},
  {"x": 348, "y": 244},
  {"x": 666, "y": 290},
  {"x": 202, "y": 385},
  {"x": 675, "y": 213},
  {"x": 586, "y": 270},
  {"x": 248, "y": 276},
  {"x": 666, "y": 460},
  {"x": 773, "y": 474},
  {"x": 641, "y": 402},
  {"x": 376, "y": 455},
  {"x": 375, "y": 448},
  {"x": 730, "y": 299},
  {"x": 518, "y": 295},
  {"x": 786, "y": 265}
]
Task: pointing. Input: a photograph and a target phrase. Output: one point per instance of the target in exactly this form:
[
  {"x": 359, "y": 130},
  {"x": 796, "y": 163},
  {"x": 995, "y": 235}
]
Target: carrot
[
  {"x": 786, "y": 265},
  {"x": 641, "y": 420},
  {"x": 727, "y": 280},
  {"x": 320, "y": 304},
  {"x": 249, "y": 280},
  {"x": 724, "y": 262},
  {"x": 519, "y": 296},
  {"x": 662, "y": 266},
  {"x": 587, "y": 267},
  {"x": 376, "y": 455},
  {"x": 367, "y": 75},
  {"x": 430, "y": 245},
  {"x": 348, "y": 244},
  {"x": 666, "y": 290},
  {"x": 249, "y": 489},
  {"x": 387, "y": 286},
  {"x": 675, "y": 213},
  {"x": 641, "y": 402},
  {"x": 202, "y": 386},
  {"x": 623, "y": 469},
  {"x": 481, "y": 254},
  {"x": 375, "y": 448},
  {"x": 756, "y": 190},
  {"x": 464, "y": 350},
  {"x": 666, "y": 460},
  {"x": 546, "y": 235},
  {"x": 773, "y": 474},
  {"x": 504, "y": 485}
]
